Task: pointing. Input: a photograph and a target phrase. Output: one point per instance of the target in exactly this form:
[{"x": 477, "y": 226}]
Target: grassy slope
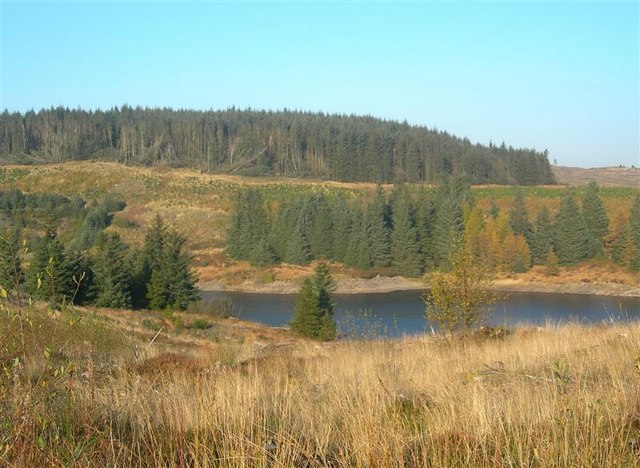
[
  {"x": 94, "y": 393},
  {"x": 198, "y": 204}
]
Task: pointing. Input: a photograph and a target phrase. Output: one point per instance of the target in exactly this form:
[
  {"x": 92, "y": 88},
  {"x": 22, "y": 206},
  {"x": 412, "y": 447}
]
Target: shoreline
[{"x": 380, "y": 284}]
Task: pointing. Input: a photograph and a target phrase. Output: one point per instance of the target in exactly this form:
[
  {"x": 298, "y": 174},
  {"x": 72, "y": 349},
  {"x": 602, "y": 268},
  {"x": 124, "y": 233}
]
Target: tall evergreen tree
[
  {"x": 173, "y": 284},
  {"x": 313, "y": 314},
  {"x": 298, "y": 252},
  {"x": 50, "y": 275},
  {"x": 405, "y": 246},
  {"x": 634, "y": 224},
  {"x": 148, "y": 261},
  {"x": 572, "y": 237},
  {"x": 378, "y": 231},
  {"x": 112, "y": 275},
  {"x": 519, "y": 218},
  {"x": 11, "y": 272},
  {"x": 595, "y": 217},
  {"x": 448, "y": 229},
  {"x": 542, "y": 237}
]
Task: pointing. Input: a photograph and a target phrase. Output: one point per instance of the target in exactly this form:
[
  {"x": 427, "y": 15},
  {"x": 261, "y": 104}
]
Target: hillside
[
  {"x": 100, "y": 387},
  {"x": 247, "y": 142},
  {"x": 199, "y": 205},
  {"x": 604, "y": 176}
]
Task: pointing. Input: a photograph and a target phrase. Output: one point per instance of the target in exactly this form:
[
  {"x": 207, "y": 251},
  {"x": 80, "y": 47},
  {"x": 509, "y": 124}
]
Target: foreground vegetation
[{"x": 94, "y": 388}]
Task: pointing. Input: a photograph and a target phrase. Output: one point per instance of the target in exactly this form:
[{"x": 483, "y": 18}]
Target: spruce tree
[
  {"x": 595, "y": 217},
  {"x": 405, "y": 246},
  {"x": 298, "y": 252},
  {"x": 147, "y": 261},
  {"x": 50, "y": 275},
  {"x": 425, "y": 222},
  {"x": 11, "y": 272},
  {"x": 572, "y": 237},
  {"x": 519, "y": 218},
  {"x": 172, "y": 283},
  {"x": 342, "y": 228},
  {"x": 448, "y": 229},
  {"x": 378, "y": 231},
  {"x": 634, "y": 224},
  {"x": 112, "y": 275},
  {"x": 542, "y": 237},
  {"x": 313, "y": 314}
]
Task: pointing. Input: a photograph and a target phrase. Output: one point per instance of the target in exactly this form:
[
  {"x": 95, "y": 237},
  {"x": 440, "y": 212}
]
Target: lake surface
[{"x": 402, "y": 312}]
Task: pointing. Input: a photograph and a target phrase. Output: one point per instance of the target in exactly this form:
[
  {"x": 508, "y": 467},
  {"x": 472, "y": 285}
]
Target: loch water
[{"x": 393, "y": 314}]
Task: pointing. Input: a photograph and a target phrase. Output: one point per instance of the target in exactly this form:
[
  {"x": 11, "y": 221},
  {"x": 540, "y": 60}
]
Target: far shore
[{"x": 383, "y": 284}]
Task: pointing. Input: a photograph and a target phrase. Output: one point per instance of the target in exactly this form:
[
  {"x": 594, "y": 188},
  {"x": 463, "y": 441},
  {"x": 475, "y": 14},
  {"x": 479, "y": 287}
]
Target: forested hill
[{"x": 247, "y": 142}]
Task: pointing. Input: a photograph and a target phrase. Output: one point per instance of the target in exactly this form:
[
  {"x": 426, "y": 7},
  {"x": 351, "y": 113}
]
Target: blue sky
[{"x": 563, "y": 77}]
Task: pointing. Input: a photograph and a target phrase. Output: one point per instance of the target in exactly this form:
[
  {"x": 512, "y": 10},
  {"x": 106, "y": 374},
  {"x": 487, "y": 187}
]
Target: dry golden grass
[{"x": 253, "y": 396}]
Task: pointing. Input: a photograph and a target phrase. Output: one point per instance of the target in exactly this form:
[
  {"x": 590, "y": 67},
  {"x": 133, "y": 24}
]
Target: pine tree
[
  {"x": 634, "y": 224},
  {"x": 572, "y": 237},
  {"x": 320, "y": 238},
  {"x": 342, "y": 228},
  {"x": 405, "y": 247},
  {"x": 147, "y": 261},
  {"x": 50, "y": 275},
  {"x": 519, "y": 218},
  {"x": 542, "y": 237},
  {"x": 11, "y": 272},
  {"x": 313, "y": 315},
  {"x": 298, "y": 252},
  {"x": 306, "y": 319},
  {"x": 378, "y": 230},
  {"x": 172, "y": 283},
  {"x": 595, "y": 217},
  {"x": 448, "y": 229},
  {"x": 425, "y": 221},
  {"x": 112, "y": 275}
]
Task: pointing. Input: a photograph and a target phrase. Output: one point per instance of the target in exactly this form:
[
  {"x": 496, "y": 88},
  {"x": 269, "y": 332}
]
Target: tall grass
[{"x": 565, "y": 396}]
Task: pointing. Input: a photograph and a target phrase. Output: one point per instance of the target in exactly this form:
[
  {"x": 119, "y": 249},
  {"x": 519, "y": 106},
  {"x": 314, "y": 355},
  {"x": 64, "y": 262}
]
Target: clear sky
[{"x": 563, "y": 77}]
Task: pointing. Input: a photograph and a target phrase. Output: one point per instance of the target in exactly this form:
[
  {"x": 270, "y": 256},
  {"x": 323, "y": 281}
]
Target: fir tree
[
  {"x": 298, "y": 252},
  {"x": 378, "y": 231},
  {"x": 112, "y": 275},
  {"x": 634, "y": 224},
  {"x": 405, "y": 246},
  {"x": 519, "y": 218},
  {"x": 572, "y": 238},
  {"x": 542, "y": 237},
  {"x": 50, "y": 275},
  {"x": 11, "y": 272},
  {"x": 172, "y": 284},
  {"x": 595, "y": 217},
  {"x": 448, "y": 229},
  {"x": 313, "y": 315}
]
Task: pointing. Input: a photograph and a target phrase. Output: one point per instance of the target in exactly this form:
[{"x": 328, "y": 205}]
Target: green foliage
[
  {"x": 542, "y": 240},
  {"x": 172, "y": 284},
  {"x": 634, "y": 224},
  {"x": 595, "y": 217},
  {"x": 458, "y": 300},
  {"x": 313, "y": 314},
  {"x": 572, "y": 237},
  {"x": 11, "y": 272},
  {"x": 299, "y": 144},
  {"x": 519, "y": 218},
  {"x": 50, "y": 274},
  {"x": 112, "y": 273},
  {"x": 405, "y": 245}
]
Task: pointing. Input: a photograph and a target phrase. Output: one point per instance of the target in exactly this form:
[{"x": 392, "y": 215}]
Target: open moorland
[{"x": 100, "y": 387}]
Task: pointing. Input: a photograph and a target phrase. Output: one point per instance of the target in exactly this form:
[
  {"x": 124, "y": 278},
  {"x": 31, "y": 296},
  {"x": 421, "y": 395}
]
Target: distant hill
[
  {"x": 257, "y": 143},
  {"x": 605, "y": 176}
]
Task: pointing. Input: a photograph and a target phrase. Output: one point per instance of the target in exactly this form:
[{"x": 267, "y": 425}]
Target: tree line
[
  {"x": 110, "y": 274},
  {"x": 413, "y": 230},
  {"x": 248, "y": 142}
]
